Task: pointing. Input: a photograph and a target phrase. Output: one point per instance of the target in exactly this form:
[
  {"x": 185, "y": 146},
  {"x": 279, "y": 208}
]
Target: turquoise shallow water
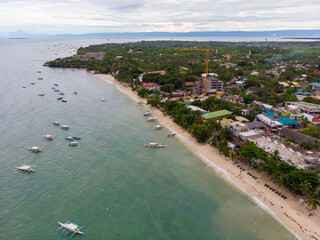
[{"x": 110, "y": 169}]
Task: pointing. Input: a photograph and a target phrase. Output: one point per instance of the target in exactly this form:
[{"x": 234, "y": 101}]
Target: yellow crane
[{"x": 207, "y": 63}]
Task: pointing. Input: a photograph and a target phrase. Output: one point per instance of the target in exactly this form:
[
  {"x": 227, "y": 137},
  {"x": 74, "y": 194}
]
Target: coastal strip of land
[{"x": 293, "y": 215}]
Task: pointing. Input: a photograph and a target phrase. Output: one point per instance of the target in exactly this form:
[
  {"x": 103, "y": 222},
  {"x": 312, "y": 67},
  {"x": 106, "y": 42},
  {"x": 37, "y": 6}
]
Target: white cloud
[{"x": 81, "y": 16}]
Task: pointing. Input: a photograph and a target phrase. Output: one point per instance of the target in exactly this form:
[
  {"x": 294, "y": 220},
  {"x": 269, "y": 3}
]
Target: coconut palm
[
  {"x": 305, "y": 187},
  {"x": 313, "y": 200}
]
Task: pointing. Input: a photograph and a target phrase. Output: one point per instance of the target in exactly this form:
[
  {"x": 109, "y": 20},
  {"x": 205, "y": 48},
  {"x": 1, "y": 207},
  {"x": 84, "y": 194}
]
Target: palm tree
[
  {"x": 313, "y": 200},
  {"x": 305, "y": 187}
]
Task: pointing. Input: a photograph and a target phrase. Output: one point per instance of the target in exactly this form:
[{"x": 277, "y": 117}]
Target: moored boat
[
  {"x": 73, "y": 144},
  {"x": 71, "y": 226},
  {"x": 56, "y": 84},
  {"x": 147, "y": 114},
  {"x": 151, "y": 119},
  {"x": 155, "y": 145},
  {"x": 25, "y": 168},
  {"x": 57, "y": 90},
  {"x": 76, "y": 138},
  {"x": 49, "y": 137},
  {"x": 40, "y": 94},
  {"x": 61, "y": 93},
  {"x": 69, "y": 138},
  {"x": 56, "y": 123},
  {"x": 59, "y": 98},
  {"x": 158, "y": 127},
  {"x": 34, "y": 149},
  {"x": 172, "y": 134},
  {"x": 63, "y": 100},
  {"x": 64, "y": 127}
]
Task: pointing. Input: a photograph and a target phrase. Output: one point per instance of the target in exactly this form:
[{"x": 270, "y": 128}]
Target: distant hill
[{"x": 281, "y": 33}]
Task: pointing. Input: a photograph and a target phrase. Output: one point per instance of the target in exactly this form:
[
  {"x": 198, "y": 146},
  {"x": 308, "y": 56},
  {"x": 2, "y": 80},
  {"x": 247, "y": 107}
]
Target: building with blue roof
[{"x": 288, "y": 122}]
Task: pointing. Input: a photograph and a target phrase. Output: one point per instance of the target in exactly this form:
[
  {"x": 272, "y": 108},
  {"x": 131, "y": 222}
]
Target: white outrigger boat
[
  {"x": 151, "y": 119},
  {"x": 70, "y": 228},
  {"x": 73, "y": 144},
  {"x": 172, "y": 134},
  {"x": 158, "y": 127},
  {"x": 155, "y": 145},
  {"x": 34, "y": 149},
  {"x": 25, "y": 168}
]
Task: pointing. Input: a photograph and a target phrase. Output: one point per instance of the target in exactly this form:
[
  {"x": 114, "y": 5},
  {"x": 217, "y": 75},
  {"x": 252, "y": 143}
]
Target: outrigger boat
[
  {"x": 59, "y": 98},
  {"x": 56, "y": 123},
  {"x": 40, "y": 94},
  {"x": 49, "y": 137},
  {"x": 147, "y": 114},
  {"x": 40, "y": 78},
  {"x": 56, "y": 84},
  {"x": 73, "y": 144},
  {"x": 155, "y": 145},
  {"x": 151, "y": 119},
  {"x": 61, "y": 93},
  {"x": 63, "y": 100},
  {"x": 172, "y": 134},
  {"x": 25, "y": 168},
  {"x": 70, "y": 228},
  {"x": 103, "y": 100},
  {"x": 69, "y": 138},
  {"x": 158, "y": 127},
  {"x": 64, "y": 127},
  {"x": 34, "y": 149},
  {"x": 77, "y": 138},
  {"x": 57, "y": 90}
]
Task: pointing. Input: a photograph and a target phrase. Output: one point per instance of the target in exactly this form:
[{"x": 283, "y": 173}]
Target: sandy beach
[{"x": 288, "y": 211}]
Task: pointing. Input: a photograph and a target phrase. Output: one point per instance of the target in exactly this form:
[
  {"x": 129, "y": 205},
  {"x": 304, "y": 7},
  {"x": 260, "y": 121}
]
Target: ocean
[{"x": 110, "y": 182}]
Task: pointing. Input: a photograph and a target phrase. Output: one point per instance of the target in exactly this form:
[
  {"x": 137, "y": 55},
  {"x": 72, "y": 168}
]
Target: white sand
[{"x": 289, "y": 212}]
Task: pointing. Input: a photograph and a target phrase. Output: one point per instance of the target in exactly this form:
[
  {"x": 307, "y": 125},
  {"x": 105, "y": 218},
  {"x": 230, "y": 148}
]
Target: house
[
  {"x": 151, "y": 86},
  {"x": 254, "y": 73},
  {"x": 270, "y": 122},
  {"x": 289, "y": 122},
  {"x": 245, "y": 112},
  {"x": 217, "y": 114},
  {"x": 256, "y": 125},
  {"x": 119, "y": 57},
  {"x": 183, "y": 69},
  {"x": 178, "y": 93},
  {"x": 315, "y": 86}
]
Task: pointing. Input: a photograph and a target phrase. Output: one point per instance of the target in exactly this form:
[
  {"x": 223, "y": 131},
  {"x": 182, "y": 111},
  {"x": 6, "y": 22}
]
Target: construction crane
[{"x": 207, "y": 63}]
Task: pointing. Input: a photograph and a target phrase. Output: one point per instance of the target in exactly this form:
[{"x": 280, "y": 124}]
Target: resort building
[{"x": 315, "y": 86}]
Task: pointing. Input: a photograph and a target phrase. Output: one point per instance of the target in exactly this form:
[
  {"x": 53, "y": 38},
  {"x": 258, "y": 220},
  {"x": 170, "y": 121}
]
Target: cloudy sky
[{"x": 87, "y": 16}]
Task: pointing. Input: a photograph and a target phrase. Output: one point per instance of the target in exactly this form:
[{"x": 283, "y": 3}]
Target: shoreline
[{"x": 287, "y": 211}]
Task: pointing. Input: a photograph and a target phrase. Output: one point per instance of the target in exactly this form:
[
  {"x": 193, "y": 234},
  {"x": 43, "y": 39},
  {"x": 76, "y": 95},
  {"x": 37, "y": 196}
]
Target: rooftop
[{"x": 216, "y": 114}]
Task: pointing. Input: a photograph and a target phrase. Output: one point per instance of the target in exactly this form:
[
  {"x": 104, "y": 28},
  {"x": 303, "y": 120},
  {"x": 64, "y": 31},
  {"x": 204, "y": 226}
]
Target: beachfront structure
[
  {"x": 217, "y": 114},
  {"x": 90, "y": 55},
  {"x": 245, "y": 136},
  {"x": 304, "y": 107},
  {"x": 213, "y": 84},
  {"x": 195, "y": 108}
]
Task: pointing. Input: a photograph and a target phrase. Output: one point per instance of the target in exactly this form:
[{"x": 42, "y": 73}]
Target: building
[
  {"x": 315, "y": 86},
  {"x": 289, "y": 133},
  {"x": 195, "y": 108},
  {"x": 217, "y": 114},
  {"x": 213, "y": 84},
  {"x": 151, "y": 86},
  {"x": 304, "y": 107},
  {"x": 90, "y": 55}
]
